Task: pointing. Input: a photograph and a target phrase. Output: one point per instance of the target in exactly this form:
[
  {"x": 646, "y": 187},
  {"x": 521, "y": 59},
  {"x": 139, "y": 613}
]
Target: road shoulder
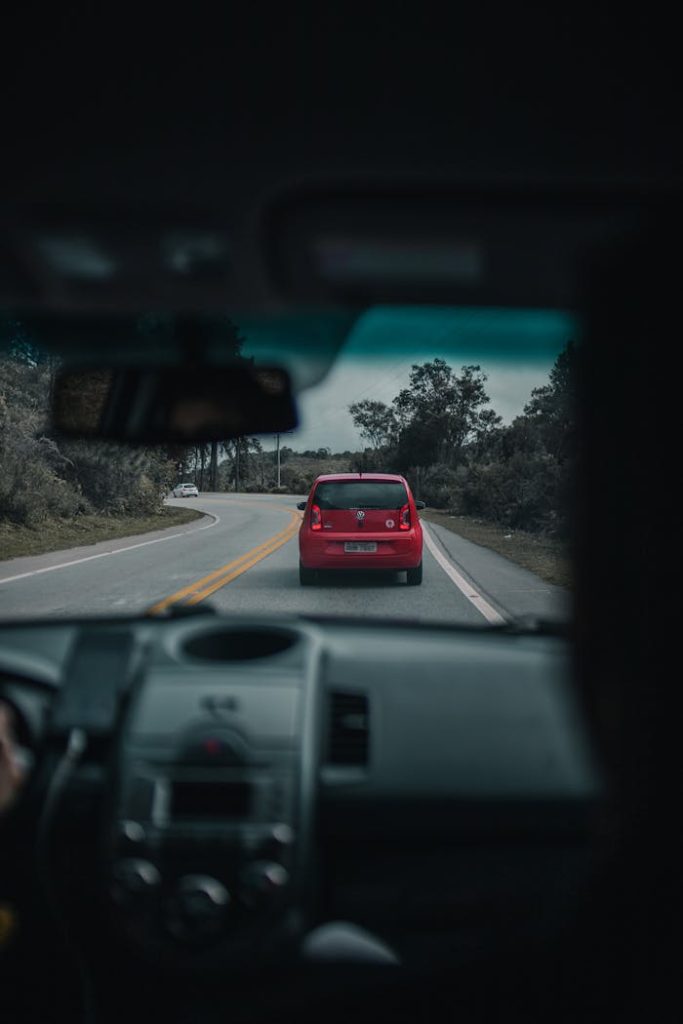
[
  {"x": 515, "y": 591},
  {"x": 28, "y": 564}
]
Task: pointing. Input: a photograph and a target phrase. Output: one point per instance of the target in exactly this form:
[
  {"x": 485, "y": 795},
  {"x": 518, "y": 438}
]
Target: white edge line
[
  {"x": 472, "y": 595},
  {"x": 105, "y": 554}
]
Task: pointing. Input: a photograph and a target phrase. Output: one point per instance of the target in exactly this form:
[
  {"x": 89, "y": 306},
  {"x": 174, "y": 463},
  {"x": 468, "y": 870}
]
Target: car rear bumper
[{"x": 318, "y": 551}]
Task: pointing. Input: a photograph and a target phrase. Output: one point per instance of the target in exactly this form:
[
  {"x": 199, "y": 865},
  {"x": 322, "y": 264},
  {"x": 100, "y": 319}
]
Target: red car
[{"x": 360, "y": 521}]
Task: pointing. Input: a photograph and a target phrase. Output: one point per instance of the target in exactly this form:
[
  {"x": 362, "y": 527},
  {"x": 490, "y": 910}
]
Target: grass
[
  {"x": 59, "y": 534},
  {"x": 547, "y": 558}
]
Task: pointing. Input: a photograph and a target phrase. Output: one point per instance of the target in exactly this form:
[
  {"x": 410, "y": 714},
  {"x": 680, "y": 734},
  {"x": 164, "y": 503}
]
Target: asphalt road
[{"x": 243, "y": 557}]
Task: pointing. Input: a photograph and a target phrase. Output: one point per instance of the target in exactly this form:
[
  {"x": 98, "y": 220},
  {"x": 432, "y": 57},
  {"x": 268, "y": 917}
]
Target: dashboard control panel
[{"x": 207, "y": 834}]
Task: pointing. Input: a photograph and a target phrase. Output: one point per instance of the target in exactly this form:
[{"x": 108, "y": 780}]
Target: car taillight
[
  {"x": 404, "y": 518},
  {"x": 316, "y": 520}
]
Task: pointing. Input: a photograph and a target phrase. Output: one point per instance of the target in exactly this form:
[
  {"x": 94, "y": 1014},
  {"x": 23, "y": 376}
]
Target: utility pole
[
  {"x": 237, "y": 464},
  {"x": 214, "y": 466},
  {"x": 202, "y": 464},
  {"x": 278, "y": 459}
]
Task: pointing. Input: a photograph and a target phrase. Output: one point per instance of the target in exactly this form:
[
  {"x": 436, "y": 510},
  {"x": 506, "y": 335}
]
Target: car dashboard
[{"x": 216, "y": 797}]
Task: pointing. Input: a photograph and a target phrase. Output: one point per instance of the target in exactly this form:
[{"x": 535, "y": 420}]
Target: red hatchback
[{"x": 360, "y": 521}]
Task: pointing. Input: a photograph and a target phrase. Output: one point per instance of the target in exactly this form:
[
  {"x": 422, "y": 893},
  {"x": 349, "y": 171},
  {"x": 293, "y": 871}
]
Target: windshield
[{"x": 472, "y": 407}]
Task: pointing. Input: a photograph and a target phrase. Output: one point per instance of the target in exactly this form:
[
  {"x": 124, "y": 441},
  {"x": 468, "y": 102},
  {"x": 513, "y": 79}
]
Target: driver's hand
[{"x": 11, "y": 772}]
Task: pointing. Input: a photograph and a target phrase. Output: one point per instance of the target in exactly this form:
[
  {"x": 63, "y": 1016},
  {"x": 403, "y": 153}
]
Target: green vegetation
[
  {"x": 43, "y": 479},
  {"x": 59, "y": 534},
  {"x": 458, "y": 456}
]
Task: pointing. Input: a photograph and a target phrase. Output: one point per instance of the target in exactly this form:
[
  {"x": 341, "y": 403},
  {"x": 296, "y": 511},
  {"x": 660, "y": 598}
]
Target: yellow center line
[
  {"x": 196, "y": 598},
  {"x": 201, "y": 588}
]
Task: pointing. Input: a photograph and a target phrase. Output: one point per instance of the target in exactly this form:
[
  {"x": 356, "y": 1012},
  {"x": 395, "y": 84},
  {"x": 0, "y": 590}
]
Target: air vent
[{"x": 348, "y": 740}]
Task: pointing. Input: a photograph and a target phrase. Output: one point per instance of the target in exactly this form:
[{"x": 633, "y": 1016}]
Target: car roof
[
  {"x": 361, "y": 476},
  {"x": 186, "y": 177}
]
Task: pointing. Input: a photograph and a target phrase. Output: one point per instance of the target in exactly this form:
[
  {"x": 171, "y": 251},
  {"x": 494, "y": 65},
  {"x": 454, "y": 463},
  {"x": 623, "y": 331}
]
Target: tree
[
  {"x": 376, "y": 423},
  {"x": 440, "y": 413},
  {"x": 197, "y": 334},
  {"x": 243, "y": 464},
  {"x": 522, "y": 475},
  {"x": 552, "y": 408}
]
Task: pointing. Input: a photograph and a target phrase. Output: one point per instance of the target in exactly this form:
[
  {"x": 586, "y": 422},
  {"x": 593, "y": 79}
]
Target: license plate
[{"x": 359, "y": 545}]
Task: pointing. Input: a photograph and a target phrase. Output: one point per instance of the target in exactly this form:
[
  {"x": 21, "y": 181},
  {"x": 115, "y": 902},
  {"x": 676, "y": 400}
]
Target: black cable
[{"x": 76, "y": 745}]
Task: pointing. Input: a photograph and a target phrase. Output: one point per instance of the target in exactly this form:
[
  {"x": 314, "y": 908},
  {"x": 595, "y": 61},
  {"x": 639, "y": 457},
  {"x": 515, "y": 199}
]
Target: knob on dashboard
[
  {"x": 134, "y": 881},
  {"x": 198, "y": 907},
  {"x": 262, "y": 881}
]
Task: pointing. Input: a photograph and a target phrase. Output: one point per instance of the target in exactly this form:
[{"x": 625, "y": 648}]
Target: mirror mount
[{"x": 192, "y": 340}]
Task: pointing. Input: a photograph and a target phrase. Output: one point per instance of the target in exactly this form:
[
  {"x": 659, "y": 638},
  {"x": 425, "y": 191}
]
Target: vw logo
[{"x": 360, "y": 514}]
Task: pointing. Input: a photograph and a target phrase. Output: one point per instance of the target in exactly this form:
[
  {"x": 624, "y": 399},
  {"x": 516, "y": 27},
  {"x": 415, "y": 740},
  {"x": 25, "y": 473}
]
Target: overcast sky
[
  {"x": 326, "y": 421},
  {"x": 516, "y": 349}
]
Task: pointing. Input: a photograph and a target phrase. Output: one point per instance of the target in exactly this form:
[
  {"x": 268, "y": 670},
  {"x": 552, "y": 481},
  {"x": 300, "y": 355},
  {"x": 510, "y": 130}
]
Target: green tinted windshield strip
[{"x": 472, "y": 333}]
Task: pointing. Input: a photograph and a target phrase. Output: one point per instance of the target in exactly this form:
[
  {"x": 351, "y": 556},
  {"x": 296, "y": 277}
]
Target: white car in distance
[{"x": 185, "y": 491}]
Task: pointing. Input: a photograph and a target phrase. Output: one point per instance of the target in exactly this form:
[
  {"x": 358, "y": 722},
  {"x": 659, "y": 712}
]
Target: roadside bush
[
  {"x": 29, "y": 498},
  {"x": 371, "y": 460},
  {"x": 118, "y": 480},
  {"x": 144, "y": 497},
  {"x": 439, "y": 486},
  {"x": 521, "y": 493},
  {"x": 295, "y": 481}
]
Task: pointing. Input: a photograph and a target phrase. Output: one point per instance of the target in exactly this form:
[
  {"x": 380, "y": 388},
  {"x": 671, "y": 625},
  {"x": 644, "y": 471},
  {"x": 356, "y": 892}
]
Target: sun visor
[
  {"x": 117, "y": 259},
  {"x": 518, "y": 247}
]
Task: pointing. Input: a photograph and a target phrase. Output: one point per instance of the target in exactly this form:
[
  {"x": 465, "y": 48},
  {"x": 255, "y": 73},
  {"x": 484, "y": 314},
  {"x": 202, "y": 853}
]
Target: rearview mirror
[
  {"x": 173, "y": 404},
  {"x": 420, "y": 505},
  {"x": 301, "y": 506}
]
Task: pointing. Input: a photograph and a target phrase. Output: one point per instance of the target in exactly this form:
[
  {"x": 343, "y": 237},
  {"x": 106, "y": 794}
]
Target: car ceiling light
[
  {"x": 187, "y": 253},
  {"x": 345, "y": 259},
  {"x": 77, "y": 257}
]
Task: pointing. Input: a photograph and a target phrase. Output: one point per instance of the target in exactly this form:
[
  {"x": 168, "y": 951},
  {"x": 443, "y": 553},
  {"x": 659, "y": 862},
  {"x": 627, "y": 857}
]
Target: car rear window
[{"x": 360, "y": 494}]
